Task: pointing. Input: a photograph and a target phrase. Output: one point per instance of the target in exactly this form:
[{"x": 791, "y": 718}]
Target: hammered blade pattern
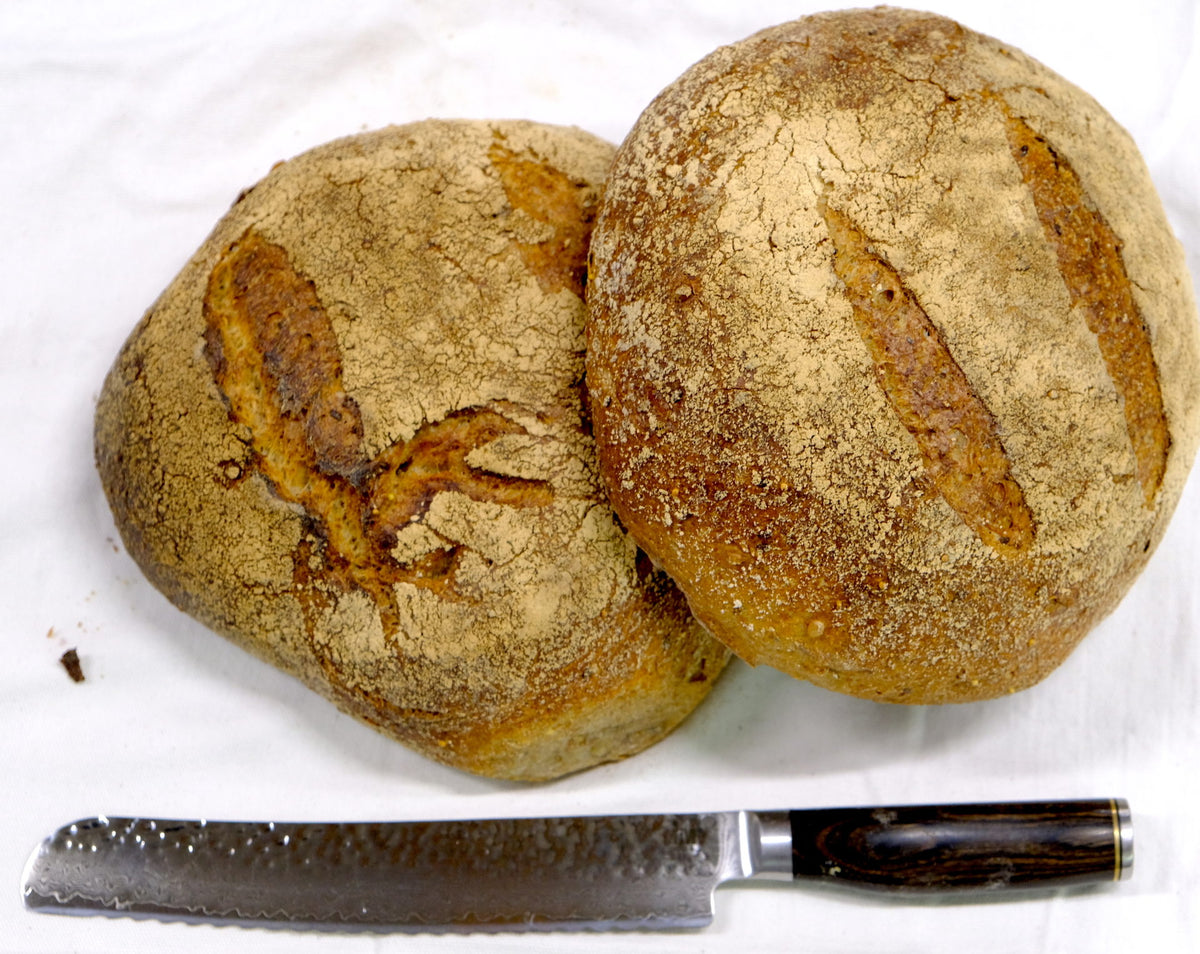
[{"x": 639, "y": 871}]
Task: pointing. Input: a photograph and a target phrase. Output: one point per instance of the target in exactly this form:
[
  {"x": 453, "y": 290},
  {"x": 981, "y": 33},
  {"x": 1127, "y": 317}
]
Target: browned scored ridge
[
  {"x": 1089, "y": 257},
  {"x": 955, "y": 432},
  {"x": 276, "y": 360},
  {"x": 552, "y": 198}
]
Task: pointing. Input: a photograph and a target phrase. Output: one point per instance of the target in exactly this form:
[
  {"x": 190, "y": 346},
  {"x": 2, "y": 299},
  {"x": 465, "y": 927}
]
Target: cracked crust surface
[
  {"x": 350, "y": 436},
  {"x": 892, "y": 354}
]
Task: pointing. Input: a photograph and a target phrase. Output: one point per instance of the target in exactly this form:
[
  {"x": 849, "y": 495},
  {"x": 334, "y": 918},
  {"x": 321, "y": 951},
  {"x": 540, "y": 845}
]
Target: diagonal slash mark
[
  {"x": 276, "y": 361},
  {"x": 956, "y": 434},
  {"x": 564, "y": 206},
  {"x": 1093, "y": 269}
]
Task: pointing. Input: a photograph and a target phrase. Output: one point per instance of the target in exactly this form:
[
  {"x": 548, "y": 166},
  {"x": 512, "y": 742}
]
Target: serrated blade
[
  {"x": 637, "y": 871},
  {"x": 615, "y": 871}
]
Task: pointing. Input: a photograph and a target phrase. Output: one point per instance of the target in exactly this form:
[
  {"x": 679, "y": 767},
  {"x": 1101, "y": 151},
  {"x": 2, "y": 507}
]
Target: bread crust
[
  {"x": 892, "y": 354},
  {"x": 350, "y": 437}
]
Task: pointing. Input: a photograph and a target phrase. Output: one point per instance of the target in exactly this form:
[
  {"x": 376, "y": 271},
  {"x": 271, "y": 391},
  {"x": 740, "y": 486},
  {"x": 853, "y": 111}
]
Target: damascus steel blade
[
  {"x": 640, "y": 871},
  {"x": 599, "y": 872}
]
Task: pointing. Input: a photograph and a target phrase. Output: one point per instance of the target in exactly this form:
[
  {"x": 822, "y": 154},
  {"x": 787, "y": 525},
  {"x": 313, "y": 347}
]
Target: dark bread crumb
[{"x": 70, "y": 662}]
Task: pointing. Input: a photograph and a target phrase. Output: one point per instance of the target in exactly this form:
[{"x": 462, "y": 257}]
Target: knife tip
[
  {"x": 37, "y": 890},
  {"x": 31, "y": 876}
]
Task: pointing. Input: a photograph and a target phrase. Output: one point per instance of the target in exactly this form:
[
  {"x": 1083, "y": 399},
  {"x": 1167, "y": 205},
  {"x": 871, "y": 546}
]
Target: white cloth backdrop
[{"x": 128, "y": 128}]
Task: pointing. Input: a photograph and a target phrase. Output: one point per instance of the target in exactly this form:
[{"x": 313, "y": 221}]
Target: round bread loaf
[
  {"x": 893, "y": 357},
  {"x": 350, "y": 437}
]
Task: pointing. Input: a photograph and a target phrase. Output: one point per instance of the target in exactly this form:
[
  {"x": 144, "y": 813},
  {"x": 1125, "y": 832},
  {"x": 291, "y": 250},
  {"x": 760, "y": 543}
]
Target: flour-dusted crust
[
  {"x": 350, "y": 436},
  {"x": 893, "y": 357}
]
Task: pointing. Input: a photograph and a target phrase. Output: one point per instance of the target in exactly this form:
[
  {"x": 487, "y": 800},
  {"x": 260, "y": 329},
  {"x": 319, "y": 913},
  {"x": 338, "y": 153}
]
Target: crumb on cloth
[{"x": 70, "y": 662}]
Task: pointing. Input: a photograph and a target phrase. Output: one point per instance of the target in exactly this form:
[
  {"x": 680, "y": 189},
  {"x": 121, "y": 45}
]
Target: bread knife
[{"x": 594, "y": 872}]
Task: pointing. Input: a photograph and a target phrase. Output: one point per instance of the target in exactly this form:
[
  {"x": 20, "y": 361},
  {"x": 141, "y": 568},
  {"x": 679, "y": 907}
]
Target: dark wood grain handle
[{"x": 949, "y": 847}]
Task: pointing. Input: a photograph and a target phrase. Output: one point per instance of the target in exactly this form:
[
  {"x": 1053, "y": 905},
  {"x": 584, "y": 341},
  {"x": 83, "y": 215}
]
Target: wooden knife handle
[{"x": 948, "y": 847}]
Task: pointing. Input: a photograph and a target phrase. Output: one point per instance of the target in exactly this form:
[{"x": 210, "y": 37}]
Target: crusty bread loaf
[
  {"x": 893, "y": 357},
  {"x": 349, "y": 436}
]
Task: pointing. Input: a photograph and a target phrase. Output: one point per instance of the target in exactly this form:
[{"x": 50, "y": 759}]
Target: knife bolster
[{"x": 765, "y": 844}]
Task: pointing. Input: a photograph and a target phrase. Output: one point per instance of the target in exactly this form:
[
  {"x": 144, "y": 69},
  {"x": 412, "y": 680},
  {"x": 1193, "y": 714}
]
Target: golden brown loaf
[
  {"x": 349, "y": 436},
  {"x": 893, "y": 357}
]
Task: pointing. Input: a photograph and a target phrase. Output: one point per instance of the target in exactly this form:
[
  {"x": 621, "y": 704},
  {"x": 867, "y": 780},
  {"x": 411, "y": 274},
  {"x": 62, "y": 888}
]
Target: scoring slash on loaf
[
  {"x": 893, "y": 357},
  {"x": 350, "y": 437}
]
